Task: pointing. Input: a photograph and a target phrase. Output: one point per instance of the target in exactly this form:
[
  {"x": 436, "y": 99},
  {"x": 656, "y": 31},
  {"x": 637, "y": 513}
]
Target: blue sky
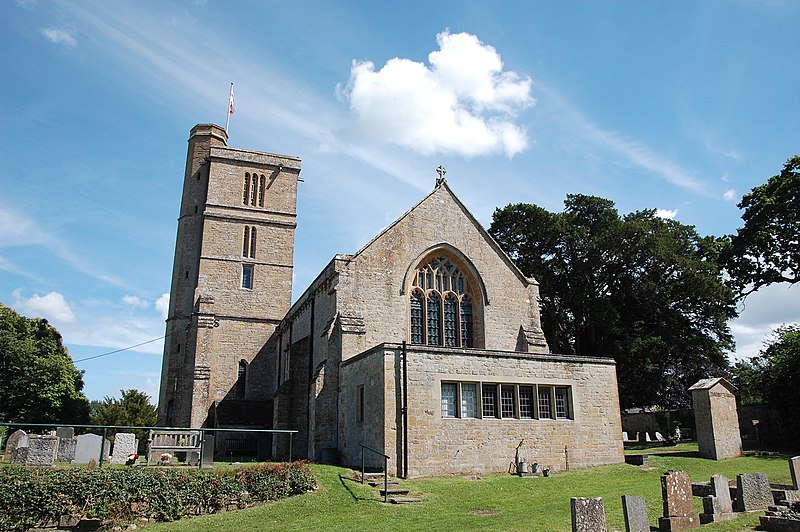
[{"x": 677, "y": 106}]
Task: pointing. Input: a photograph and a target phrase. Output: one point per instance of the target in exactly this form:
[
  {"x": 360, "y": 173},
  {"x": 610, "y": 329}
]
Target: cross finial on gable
[{"x": 441, "y": 171}]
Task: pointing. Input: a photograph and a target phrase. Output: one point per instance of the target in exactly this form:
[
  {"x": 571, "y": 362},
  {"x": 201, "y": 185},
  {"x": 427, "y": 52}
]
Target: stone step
[
  {"x": 395, "y": 491},
  {"x": 378, "y": 483},
  {"x": 403, "y": 500}
]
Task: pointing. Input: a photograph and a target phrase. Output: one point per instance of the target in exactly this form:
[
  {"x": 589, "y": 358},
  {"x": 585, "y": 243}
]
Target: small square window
[{"x": 247, "y": 276}]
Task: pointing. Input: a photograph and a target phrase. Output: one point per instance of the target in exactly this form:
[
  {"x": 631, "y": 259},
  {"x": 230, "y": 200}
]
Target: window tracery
[{"x": 441, "y": 305}]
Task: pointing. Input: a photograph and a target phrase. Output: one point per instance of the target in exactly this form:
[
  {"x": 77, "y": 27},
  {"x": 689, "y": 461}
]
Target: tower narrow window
[
  {"x": 441, "y": 305},
  {"x": 247, "y": 276},
  {"x": 249, "y": 242},
  {"x": 252, "y": 242},
  {"x": 246, "y": 195},
  {"x": 246, "y": 241},
  {"x": 241, "y": 380},
  {"x": 261, "y": 184},
  {"x": 253, "y": 191}
]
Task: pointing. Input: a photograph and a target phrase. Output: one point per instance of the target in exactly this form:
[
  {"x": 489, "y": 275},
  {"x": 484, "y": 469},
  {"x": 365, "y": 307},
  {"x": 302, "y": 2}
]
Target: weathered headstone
[
  {"x": 41, "y": 450},
  {"x": 660, "y": 437},
  {"x": 676, "y": 492},
  {"x": 65, "y": 432},
  {"x": 717, "y": 506},
  {"x": 716, "y": 419},
  {"x": 66, "y": 449},
  {"x": 18, "y": 438},
  {"x": 647, "y": 437},
  {"x": 207, "y": 459},
  {"x": 19, "y": 455},
  {"x": 124, "y": 444},
  {"x": 588, "y": 514},
  {"x": 88, "y": 448},
  {"x": 794, "y": 470},
  {"x": 753, "y": 492},
  {"x": 624, "y": 436},
  {"x": 634, "y": 510}
]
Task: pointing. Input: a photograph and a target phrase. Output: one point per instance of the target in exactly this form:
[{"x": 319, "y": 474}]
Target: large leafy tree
[
  {"x": 766, "y": 249},
  {"x": 773, "y": 377},
  {"x": 132, "y": 409},
  {"x": 641, "y": 289},
  {"x": 38, "y": 380}
]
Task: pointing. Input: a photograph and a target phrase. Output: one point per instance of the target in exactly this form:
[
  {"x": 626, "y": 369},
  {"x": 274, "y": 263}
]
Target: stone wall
[{"x": 439, "y": 445}]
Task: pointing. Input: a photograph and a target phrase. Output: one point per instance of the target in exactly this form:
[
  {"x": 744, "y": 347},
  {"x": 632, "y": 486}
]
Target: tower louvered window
[
  {"x": 441, "y": 305},
  {"x": 249, "y": 242}
]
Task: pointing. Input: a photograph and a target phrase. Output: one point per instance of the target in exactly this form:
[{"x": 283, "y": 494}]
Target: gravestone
[
  {"x": 753, "y": 492},
  {"x": 18, "y": 438},
  {"x": 124, "y": 444},
  {"x": 676, "y": 492},
  {"x": 717, "y": 506},
  {"x": 794, "y": 470},
  {"x": 207, "y": 459},
  {"x": 41, "y": 450},
  {"x": 66, "y": 449},
  {"x": 588, "y": 514},
  {"x": 88, "y": 448},
  {"x": 624, "y": 436},
  {"x": 634, "y": 510},
  {"x": 19, "y": 455},
  {"x": 660, "y": 437},
  {"x": 65, "y": 432},
  {"x": 716, "y": 419}
]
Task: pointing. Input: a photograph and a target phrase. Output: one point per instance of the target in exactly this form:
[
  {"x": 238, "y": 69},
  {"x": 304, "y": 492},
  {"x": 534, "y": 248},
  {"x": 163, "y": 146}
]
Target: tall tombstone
[
  {"x": 588, "y": 514},
  {"x": 41, "y": 450},
  {"x": 18, "y": 438},
  {"x": 88, "y": 448},
  {"x": 65, "y": 432},
  {"x": 753, "y": 492},
  {"x": 676, "y": 492},
  {"x": 794, "y": 470},
  {"x": 66, "y": 449},
  {"x": 716, "y": 419},
  {"x": 634, "y": 510},
  {"x": 717, "y": 506},
  {"x": 124, "y": 445}
]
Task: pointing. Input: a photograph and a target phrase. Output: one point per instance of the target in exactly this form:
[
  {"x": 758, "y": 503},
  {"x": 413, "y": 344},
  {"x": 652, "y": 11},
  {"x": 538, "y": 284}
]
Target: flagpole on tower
[{"x": 231, "y": 109}]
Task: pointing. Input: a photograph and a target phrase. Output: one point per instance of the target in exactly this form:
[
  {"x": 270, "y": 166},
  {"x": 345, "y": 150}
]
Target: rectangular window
[
  {"x": 526, "y": 402},
  {"x": 545, "y": 411},
  {"x": 448, "y": 399},
  {"x": 469, "y": 400},
  {"x": 489, "y": 396},
  {"x": 247, "y": 276},
  {"x": 562, "y": 403},
  {"x": 507, "y": 401}
]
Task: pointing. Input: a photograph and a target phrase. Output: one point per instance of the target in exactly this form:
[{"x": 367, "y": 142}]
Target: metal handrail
[
  {"x": 385, "y": 470},
  {"x": 202, "y": 430}
]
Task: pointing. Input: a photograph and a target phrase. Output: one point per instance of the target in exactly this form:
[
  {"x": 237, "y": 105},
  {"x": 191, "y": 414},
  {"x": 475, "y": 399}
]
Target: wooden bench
[{"x": 174, "y": 442}]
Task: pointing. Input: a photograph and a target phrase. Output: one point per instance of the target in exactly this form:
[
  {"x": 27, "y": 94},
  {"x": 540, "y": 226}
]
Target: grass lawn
[{"x": 494, "y": 502}]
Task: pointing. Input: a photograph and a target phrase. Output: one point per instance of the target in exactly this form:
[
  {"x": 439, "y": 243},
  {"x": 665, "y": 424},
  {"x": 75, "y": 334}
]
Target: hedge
[{"x": 38, "y": 497}]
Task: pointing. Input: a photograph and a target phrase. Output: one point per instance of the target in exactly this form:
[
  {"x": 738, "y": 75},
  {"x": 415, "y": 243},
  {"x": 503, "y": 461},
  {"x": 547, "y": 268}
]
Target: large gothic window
[{"x": 441, "y": 305}]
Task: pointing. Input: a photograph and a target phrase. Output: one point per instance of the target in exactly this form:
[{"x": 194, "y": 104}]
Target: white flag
[{"x": 231, "y": 106}]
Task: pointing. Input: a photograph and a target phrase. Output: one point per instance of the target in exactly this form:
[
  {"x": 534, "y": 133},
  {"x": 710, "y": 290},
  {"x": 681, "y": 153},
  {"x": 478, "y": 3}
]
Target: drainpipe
[{"x": 405, "y": 411}]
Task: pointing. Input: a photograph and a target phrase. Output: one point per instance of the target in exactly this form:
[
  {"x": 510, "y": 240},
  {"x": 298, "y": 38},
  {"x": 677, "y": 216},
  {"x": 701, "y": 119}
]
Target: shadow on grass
[{"x": 353, "y": 494}]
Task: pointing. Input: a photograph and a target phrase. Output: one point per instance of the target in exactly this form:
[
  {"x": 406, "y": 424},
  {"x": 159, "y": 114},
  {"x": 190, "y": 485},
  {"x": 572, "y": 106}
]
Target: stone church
[{"x": 425, "y": 345}]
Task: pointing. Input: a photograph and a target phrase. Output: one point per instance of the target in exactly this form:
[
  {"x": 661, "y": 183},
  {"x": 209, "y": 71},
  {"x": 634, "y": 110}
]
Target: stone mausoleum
[{"x": 425, "y": 345}]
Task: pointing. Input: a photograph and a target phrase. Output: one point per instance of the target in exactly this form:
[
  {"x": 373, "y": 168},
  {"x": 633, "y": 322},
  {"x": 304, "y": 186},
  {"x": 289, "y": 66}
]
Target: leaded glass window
[
  {"x": 469, "y": 400},
  {"x": 441, "y": 305},
  {"x": 417, "y": 320},
  {"x": 434, "y": 319},
  {"x": 448, "y": 399},
  {"x": 562, "y": 403},
  {"x": 525, "y": 402},
  {"x": 489, "y": 396},
  {"x": 545, "y": 410},
  {"x": 507, "y": 401}
]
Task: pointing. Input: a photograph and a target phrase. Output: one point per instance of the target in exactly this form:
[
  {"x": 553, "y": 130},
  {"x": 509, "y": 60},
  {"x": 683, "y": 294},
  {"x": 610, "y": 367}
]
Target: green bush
[{"x": 32, "y": 497}]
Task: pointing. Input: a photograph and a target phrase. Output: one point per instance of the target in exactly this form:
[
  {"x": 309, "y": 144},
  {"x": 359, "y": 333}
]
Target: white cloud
[
  {"x": 51, "y": 306},
  {"x": 134, "y": 301},
  {"x": 162, "y": 305},
  {"x": 463, "y": 103},
  {"x": 57, "y": 36},
  {"x": 667, "y": 214},
  {"x": 761, "y": 313},
  {"x": 729, "y": 195}
]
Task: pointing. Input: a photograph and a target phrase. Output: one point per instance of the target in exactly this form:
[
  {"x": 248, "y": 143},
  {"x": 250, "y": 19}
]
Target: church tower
[{"x": 231, "y": 281}]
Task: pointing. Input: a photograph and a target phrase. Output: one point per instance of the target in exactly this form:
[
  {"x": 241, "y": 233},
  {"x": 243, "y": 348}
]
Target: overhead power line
[{"x": 119, "y": 350}]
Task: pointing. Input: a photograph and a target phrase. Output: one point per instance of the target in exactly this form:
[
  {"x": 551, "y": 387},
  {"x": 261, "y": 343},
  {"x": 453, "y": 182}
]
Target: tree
[
  {"x": 132, "y": 409},
  {"x": 766, "y": 249},
  {"x": 40, "y": 383},
  {"x": 773, "y": 377},
  {"x": 643, "y": 290}
]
